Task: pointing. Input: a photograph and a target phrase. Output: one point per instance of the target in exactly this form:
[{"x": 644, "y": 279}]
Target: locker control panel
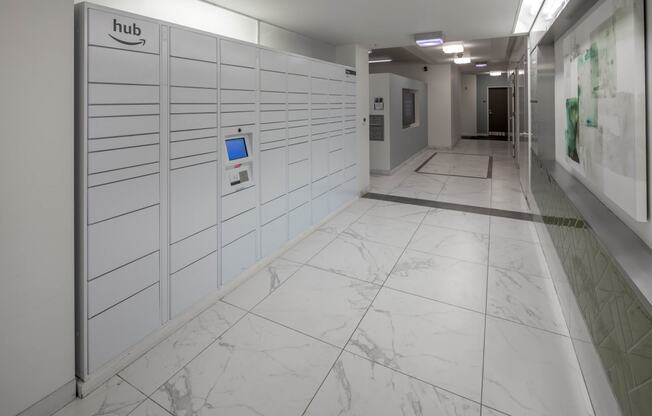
[{"x": 238, "y": 163}]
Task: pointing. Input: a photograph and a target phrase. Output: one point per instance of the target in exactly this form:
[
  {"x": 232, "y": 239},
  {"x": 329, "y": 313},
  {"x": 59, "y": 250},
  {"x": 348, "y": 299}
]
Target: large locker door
[
  {"x": 239, "y": 114},
  {"x": 122, "y": 194},
  {"x": 194, "y": 168}
]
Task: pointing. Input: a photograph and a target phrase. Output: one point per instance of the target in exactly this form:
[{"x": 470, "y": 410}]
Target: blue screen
[{"x": 236, "y": 148}]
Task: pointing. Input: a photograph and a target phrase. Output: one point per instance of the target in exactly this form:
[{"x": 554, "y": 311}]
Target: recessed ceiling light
[
  {"x": 462, "y": 61},
  {"x": 481, "y": 65},
  {"x": 526, "y": 15},
  {"x": 495, "y": 73},
  {"x": 429, "y": 39},
  {"x": 453, "y": 47},
  {"x": 380, "y": 60}
]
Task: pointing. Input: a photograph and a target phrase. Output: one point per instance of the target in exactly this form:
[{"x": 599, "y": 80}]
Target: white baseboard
[{"x": 53, "y": 402}]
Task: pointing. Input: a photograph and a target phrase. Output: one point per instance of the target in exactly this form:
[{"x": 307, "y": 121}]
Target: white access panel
[
  {"x": 193, "y": 200},
  {"x": 273, "y": 174},
  {"x": 241, "y": 254},
  {"x": 274, "y": 235},
  {"x": 122, "y": 326},
  {"x": 193, "y": 283}
]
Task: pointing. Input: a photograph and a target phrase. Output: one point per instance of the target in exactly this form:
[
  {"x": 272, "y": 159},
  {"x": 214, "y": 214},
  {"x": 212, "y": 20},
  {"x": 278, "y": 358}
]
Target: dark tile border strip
[
  {"x": 425, "y": 162},
  {"x": 514, "y": 215},
  {"x": 489, "y": 167}
]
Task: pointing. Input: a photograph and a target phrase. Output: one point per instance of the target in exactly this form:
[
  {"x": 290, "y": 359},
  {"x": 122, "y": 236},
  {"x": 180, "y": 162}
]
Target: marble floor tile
[
  {"x": 340, "y": 222},
  {"x": 429, "y": 340},
  {"x": 459, "y": 220},
  {"x": 514, "y": 229},
  {"x": 448, "y": 242},
  {"x": 321, "y": 304},
  {"x": 160, "y": 363},
  {"x": 305, "y": 249},
  {"x": 261, "y": 284},
  {"x": 360, "y": 259},
  {"x": 529, "y": 372},
  {"x": 521, "y": 256},
  {"x": 458, "y": 186},
  {"x": 397, "y": 211},
  {"x": 508, "y": 195},
  {"x": 443, "y": 279},
  {"x": 486, "y": 411},
  {"x": 358, "y": 387},
  {"x": 114, "y": 398},
  {"x": 360, "y": 206},
  {"x": 149, "y": 408},
  {"x": 421, "y": 186},
  {"x": 529, "y": 300},
  {"x": 482, "y": 199},
  {"x": 382, "y": 230},
  {"x": 256, "y": 368}
]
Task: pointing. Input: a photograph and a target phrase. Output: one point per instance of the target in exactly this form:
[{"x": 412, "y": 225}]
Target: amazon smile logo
[{"x": 132, "y": 29}]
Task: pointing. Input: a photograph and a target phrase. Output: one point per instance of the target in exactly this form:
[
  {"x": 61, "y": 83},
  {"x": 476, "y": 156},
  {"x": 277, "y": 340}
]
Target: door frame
[{"x": 509, "y": 90}]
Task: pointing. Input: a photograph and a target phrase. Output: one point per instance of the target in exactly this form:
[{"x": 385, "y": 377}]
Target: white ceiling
[
  {"x": 495, "y": 52},
  {"x": 383, "y": 23}
]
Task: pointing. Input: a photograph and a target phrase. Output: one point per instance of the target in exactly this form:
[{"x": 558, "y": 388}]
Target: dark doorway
[{"x": 498, "y": 105}]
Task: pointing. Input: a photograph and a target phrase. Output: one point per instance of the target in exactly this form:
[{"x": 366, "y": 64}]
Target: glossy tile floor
[
  {"x": 469, "y": 187},
  {"x": 388, "y": 309}
]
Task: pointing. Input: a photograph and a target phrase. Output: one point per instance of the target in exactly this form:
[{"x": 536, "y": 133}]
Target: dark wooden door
[{"x": 498, "y": 110}]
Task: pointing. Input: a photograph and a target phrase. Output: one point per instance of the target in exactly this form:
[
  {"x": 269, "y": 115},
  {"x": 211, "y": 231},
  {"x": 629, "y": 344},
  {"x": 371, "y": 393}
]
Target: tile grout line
[
  {"x": 360, "y": 321},
  {"x": 484, "y": 338},
  {"x": 202, "y": 351}
]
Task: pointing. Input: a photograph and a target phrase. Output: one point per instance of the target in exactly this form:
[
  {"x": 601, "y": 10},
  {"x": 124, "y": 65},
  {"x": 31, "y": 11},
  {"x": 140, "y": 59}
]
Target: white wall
[
  {"x": 468, "y": 105},
  {"x": 642, "y": 229},
  {"x": 438, "y": 79},
  {"x": 36, "y": 214},
  {"x": 379, "y": 151},
  {"x": 357, "y": 56},
  {"x": 191, "y": 13},
  {"x": 286, "y": 40},
  {"x": 456, "y": 100},
  {"x": 400, "y": 143}
]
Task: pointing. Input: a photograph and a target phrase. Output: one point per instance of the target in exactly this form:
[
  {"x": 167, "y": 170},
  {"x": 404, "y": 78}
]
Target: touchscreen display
[{"x": 236, "y": 148}]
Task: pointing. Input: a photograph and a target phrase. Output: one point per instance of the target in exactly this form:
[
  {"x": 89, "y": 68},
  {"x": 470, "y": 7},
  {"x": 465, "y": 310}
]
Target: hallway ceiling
[
  {"x": 495, "y": 52},
  {"x": 383, "y": 23}
]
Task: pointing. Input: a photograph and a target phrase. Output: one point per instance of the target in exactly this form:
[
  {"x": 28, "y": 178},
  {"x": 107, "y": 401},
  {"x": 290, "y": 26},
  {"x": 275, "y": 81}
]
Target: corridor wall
[{"x": 160, "y": 224}]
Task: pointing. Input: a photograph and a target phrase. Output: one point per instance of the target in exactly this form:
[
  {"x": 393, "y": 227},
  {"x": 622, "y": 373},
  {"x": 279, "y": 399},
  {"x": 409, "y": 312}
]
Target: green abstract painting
[
  {"x": 572, "y": 130},
  {"x": 588, "y": 86}
]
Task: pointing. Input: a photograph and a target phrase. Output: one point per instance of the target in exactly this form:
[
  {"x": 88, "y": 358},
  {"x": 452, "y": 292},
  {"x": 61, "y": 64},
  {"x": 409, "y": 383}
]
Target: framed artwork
[{"x": 605, "y": 104}]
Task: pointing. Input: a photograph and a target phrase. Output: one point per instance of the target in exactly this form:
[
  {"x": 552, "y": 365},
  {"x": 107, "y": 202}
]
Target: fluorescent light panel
[
  {"x": 526, "y": 15},
  {"x": 456, "y": 47},
  {"x": 462, "y": 61},
  {"x": 380, "y": 60},
  {"x": 495, "y": 73},
  {"x": 429, "y": 39},
  {"x": 481, "y": 65}
]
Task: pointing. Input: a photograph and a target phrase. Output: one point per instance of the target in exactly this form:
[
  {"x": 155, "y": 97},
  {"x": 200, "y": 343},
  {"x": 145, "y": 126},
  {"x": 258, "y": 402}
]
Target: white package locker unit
[{"x": 161, "y": 224}]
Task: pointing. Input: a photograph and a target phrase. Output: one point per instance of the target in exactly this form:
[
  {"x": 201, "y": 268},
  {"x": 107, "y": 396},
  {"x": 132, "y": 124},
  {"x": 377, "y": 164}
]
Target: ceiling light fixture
[
  {"x": 481, "y": 65},
  {"x": 462, "y": 60},
  {"x": 526, "y": 15},
  {"x": 551, "y": 8},
  {"x": 495, "y": 73},
  {"x": 380, "y": 60},
  {"x": 429, "y": 39},
  {"x": 453, "y": 47}
]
